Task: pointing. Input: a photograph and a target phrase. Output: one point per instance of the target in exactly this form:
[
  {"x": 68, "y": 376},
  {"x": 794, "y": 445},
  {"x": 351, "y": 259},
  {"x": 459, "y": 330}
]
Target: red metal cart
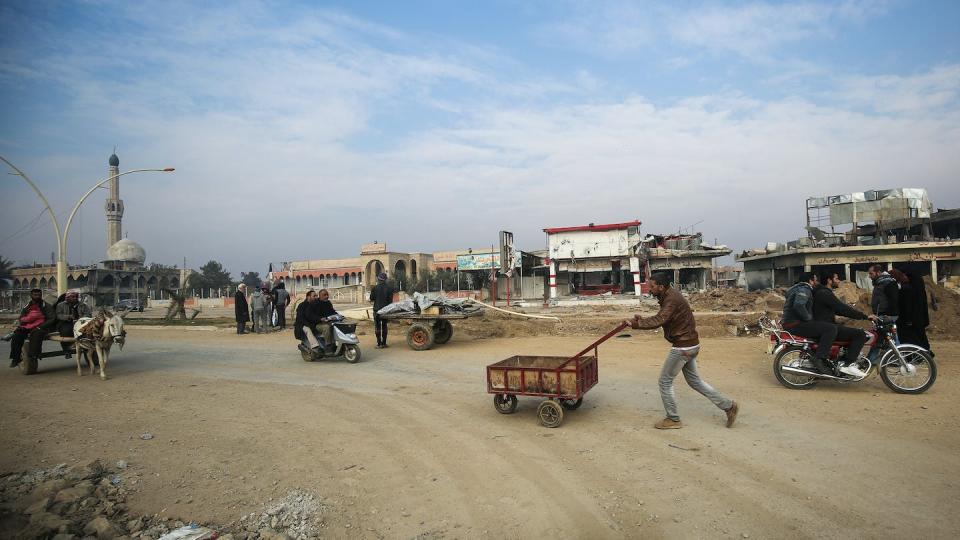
[{"x": 562, "y": 380}]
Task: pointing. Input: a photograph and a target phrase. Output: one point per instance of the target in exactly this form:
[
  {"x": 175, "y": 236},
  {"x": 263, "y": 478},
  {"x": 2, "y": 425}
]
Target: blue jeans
[{"x": 686, "y": 360}]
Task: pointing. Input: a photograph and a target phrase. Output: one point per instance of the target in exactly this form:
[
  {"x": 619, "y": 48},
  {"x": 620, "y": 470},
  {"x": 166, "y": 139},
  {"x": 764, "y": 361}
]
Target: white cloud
[{"x": 752, "y": 30}]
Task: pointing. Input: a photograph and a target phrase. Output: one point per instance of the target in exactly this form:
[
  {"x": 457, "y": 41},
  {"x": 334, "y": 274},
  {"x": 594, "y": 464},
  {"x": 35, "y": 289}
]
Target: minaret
[{"x": 114, "y": 206}]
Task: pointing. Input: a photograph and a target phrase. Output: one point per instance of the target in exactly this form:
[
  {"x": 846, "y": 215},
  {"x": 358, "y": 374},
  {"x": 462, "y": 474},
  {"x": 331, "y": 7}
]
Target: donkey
[{"x": 97, "y": 335}]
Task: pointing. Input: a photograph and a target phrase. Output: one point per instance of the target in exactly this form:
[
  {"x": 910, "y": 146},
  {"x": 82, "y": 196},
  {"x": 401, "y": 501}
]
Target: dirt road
[{"x": 408, "y": 444}]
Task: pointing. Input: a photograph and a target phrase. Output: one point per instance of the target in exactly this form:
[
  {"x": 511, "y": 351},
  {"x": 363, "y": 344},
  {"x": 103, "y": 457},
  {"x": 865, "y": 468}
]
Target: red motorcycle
[{"x": 904, "y": 368}]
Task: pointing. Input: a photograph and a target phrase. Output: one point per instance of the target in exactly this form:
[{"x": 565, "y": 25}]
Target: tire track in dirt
[{"x": 572, "y": 514}]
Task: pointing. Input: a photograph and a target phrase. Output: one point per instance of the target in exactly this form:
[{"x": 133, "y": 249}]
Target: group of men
[
  {"x": 261, "y": 308},
  {"x": 39, "y": 318},
  {"x": 811, "y": 308}
]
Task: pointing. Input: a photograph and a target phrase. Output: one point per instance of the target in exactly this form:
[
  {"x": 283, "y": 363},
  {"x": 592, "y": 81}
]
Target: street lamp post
[{"x": 62, "y": 238}]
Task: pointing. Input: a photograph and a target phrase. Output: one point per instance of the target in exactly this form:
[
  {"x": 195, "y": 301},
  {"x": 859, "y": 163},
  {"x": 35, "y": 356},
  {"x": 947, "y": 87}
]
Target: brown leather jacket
[{"x": 676, "y": 318}]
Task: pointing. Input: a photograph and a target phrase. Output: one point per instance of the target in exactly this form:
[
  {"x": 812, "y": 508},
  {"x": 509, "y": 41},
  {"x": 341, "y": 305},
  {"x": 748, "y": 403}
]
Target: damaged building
[
  {"x": 616, "y": 258},
  {"x": 848, "y": 233}
]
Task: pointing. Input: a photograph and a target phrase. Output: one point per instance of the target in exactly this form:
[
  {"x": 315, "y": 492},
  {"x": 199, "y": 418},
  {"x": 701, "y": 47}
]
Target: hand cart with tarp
[
  {"x": 562, "y": 380},
  {"x": 427, "y": 330},
  {"x": 431, "y": 315}
]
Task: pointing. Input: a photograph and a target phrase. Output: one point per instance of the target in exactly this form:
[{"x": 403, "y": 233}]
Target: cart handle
[{"x": 593, "y": 346}]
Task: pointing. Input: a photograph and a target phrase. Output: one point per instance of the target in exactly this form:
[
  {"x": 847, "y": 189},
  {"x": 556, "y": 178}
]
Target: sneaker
[
  {"x": 667, "y": 423},
  {"x": 385, "y": 346},
  {"x": 853, "y": 371},
  {"x": 14, "y": 363},
  {"x": 732, "y": 414}
]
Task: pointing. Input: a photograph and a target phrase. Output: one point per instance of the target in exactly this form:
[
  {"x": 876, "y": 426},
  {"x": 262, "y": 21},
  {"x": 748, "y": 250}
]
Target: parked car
[{"x": 130, "y": 304}]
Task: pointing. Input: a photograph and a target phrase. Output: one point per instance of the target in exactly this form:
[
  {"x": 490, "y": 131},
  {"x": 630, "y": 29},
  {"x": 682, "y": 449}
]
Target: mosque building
[{"x": 121, "y": 275}]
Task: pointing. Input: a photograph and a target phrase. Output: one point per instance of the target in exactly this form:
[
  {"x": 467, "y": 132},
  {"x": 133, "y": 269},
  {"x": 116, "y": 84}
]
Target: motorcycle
[
  {"x": 345, "y": 344},
  {"x": 904, "y": 368}
]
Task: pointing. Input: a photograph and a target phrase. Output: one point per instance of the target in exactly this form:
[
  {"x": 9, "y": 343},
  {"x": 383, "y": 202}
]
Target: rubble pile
[
  {"x": 297, "y": 515},
  {"x": 84, "y": 501}
]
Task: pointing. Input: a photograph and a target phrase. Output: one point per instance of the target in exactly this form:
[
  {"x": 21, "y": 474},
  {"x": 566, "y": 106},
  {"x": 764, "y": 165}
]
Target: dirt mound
[
  {"x": 944, "y": 307},
  {"x": 737, "y": 300},
  {"x": 492, "y": 324}
]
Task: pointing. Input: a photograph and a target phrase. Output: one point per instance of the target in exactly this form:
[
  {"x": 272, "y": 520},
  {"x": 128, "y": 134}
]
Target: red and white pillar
[
  {"x": 635, "y": 272},
  {"x": 553, "y": 278}
]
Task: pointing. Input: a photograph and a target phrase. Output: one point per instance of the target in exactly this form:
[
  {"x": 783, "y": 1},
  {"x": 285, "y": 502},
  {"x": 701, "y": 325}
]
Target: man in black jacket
[
  {"x": 886, "y": 293},
  {"x": 305, "y": 324},
  {"x": 241, "y": 309},
  {"x": 798, "y": 319},
  {"x": 381, "y": 296},
  {"x": 826, "y": 306}
]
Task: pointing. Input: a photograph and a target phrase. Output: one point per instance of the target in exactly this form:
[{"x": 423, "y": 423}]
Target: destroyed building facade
[
  {"x": 616, "y": 258},
  {"x": 896, "y": 228}
]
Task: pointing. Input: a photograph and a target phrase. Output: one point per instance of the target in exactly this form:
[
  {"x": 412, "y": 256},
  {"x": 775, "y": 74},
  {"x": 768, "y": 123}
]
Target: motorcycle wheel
[
  {"x": 351, "y": 353},
  {"x": 793, "y": 357},
  {"x": 900, "y": 379}
]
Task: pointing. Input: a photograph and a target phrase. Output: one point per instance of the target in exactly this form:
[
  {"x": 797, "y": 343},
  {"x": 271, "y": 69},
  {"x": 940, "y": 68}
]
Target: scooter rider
[
  {"x": 305, "y": 324},
  {"x": 325, "y": 311},
  {"x": 798, "y": 319},
  {"x": 826, "y": 306}
]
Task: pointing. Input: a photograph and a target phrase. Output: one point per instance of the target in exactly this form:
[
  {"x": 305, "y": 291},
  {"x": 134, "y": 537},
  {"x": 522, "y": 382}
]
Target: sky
[{"x": 301, "y": 130}]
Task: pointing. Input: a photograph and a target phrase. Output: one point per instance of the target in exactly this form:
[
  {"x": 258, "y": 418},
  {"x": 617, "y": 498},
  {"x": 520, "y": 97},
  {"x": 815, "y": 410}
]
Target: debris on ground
[{"x": 87, "y": 501}]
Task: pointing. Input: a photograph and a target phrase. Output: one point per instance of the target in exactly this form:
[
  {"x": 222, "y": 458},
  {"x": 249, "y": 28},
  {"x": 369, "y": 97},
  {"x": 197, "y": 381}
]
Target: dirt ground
[{"x": 408, "y": 445}]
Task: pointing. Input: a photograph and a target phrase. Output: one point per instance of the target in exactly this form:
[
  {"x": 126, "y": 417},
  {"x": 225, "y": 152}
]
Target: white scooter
[{"x": 345, "y": 343}]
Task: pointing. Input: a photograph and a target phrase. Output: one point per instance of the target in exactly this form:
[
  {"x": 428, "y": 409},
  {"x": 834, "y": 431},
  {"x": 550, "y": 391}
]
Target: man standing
[
  {"x": 885, "y": 299},
  {"x": 259, "y": 305},
  {"x": 282, "y": 299},
  {"x": 381, "y": 296},
  {"x": 68, "y": 312},
  {"x": 241, "y": 309},
  {"x": 679, "y": 328},
  {"x": 826, "y": 306},
  {"x": 305, "y": 323},
  {"x": 798, "y": 319},
  {"x": 31, "y": 325}
]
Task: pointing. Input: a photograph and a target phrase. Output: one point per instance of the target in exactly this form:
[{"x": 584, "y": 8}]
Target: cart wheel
[
  {"x": 442, "y": 332},
  {"x": 550, "y": 413},
  {"x": 505, "y": 403},
  {"x": 571, "y": 405},
  {"x": 27, "y": 366},
  {"x": 420, "y": 337}
]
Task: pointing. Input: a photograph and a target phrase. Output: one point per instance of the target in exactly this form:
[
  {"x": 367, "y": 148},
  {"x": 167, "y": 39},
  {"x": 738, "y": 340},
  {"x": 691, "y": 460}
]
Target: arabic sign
[{"x": 478, "y": 261}]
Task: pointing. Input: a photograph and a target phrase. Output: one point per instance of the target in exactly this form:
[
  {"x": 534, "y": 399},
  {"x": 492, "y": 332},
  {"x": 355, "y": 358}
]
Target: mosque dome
[
  {"x": 114, "y": 160},
  {"x": 128, "y": 251}
]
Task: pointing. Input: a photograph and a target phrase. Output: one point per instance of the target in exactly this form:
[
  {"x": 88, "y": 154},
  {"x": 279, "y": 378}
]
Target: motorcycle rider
[
  {"x": 798, "y": 319},
  {"x": 826, "y": 306}
]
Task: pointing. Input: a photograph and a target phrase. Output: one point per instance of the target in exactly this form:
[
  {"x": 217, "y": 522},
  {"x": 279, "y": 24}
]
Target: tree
[
  {"x": 213, "y": 276},
  {"x": 250, "y": 279},
  {"x": 5, "y": 274}
]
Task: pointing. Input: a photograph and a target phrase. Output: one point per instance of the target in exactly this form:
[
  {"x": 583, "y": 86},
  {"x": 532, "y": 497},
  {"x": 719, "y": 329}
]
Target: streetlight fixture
[{"x": 62, "y": 238}]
